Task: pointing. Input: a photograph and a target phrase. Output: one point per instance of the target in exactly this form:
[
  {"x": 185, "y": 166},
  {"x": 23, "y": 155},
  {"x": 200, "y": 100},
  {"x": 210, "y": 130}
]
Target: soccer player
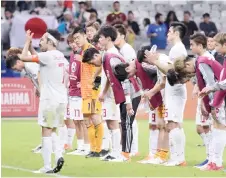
[
  {"x": 91, "y": 30},
  {"x": 147, "y": 76},
  {"x": 198, "y": 44},
  {"x": 53, "y": 99},
  {"x": 76, "y": 121},
  {"x": 91, "y": 33},
  {"x": 211, "y": 47},
  {"x": 207, "y": 72},
  {"x": 31, "y": 71},
  {"x": 128, "y": 54},
  {"x": 159, "y": 144},
  {"x": 219, "y": 140},
  {"x": 126, "y": 94},
  {"x": 175, "y": 97},
  {"x": 91, "y": 106},
  {"x": 111, "y": 111}
]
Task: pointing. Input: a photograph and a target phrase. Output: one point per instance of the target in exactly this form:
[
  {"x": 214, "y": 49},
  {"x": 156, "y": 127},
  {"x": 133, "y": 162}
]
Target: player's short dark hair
[
  {"x": 78, "y": 30},
  {"x": 108, "y": 31},
  {"x": 116, "y": 2},
  {"x": 206, "y": 15},
  {"x": 11, "y": 61},
  {"x": 187, "y": 12},
  {"x": 95, "y": 39},
  {"x": 141, "y": 53},
  {"x": 54, "y": 33},
  {"x": 158, "y": 15},
  {"x": 199, "y": 38},
  {"x": 88, "y": 54},
  {"x": 180, "y": 27},
  {"x": 211, "y": 34},
  {"x": 120, "y": 71},
  {"x": 121, "y": 29},
  {"x": 82, "y": 2},
  {"x": 130, "y": 12}
]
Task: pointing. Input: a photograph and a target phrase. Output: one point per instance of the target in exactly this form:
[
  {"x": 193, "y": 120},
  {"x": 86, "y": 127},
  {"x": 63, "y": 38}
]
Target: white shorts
[
  {"x": 174, "y": 111},
  {"x": 75, "y": 108},
  {"x": 110, "y": 111},
  {"x": 221, "y": 115},
  {"x": 199, "y": 118},
  {"x": 51, "y": 114}
]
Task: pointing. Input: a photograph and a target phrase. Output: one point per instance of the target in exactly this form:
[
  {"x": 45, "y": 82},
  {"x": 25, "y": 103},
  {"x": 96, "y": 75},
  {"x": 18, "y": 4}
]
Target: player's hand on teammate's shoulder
[{"x": 129, "y": 109}]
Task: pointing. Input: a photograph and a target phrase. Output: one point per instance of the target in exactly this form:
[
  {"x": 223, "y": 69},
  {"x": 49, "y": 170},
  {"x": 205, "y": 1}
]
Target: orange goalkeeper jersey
[{"x": 87, "y": 78}]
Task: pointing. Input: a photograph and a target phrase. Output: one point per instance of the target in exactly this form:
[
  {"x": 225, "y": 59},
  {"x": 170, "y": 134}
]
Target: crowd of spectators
[{"x": 70, "y": 14}]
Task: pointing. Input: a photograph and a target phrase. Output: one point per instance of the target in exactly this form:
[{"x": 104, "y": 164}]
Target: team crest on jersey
[{"x": 73, "y": 66}]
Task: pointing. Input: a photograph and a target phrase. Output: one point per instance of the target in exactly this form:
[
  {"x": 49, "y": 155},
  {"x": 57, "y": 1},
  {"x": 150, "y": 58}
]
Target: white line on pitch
[{"x": 29, "y": 170}]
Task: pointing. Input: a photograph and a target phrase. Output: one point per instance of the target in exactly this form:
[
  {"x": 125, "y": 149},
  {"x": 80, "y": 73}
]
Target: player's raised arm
[{"x": 153, "y": 58}]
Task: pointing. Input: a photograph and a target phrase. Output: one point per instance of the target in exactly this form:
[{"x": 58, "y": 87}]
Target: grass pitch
[{"x": 19, "y": 137}]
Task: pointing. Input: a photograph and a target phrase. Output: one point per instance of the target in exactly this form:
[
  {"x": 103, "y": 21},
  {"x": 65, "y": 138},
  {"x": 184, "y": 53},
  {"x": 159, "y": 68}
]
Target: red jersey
[
  {"x": 116, "y": 18},
  {"x": 74, "y": 75}
]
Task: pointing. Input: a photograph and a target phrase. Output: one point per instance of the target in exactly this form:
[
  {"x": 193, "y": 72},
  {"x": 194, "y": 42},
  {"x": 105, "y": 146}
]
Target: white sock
[
  {"x": 134, "y": 146},
  {"x": 219, "y": 142},
  {"x": 80, "y": 144},
  {"x": 182, "y": 145},
  {"x": 56, "y": 146},
  {"x": 86, "y": 147},
  {"x": 153, "y": 141},
  {"x": 203, "y": 136},
  {"x": 47, "y": 151},
  {"x": 175, "y": 144},
  {"x": 62, "y": 132},
  {"x": 106, "y": 138},
  {"x": 116, "y": 146},
  {"x": 71, "y": 135},
  {"x": 208, "y": 145}
]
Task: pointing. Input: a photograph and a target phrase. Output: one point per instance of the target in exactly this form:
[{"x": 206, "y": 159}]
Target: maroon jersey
[
  {"x": 116, "y": 18},
  {"x": 115, "y": 84},
  {"x": 74, "y": 76},
  {"x": 216, "y": 68}
]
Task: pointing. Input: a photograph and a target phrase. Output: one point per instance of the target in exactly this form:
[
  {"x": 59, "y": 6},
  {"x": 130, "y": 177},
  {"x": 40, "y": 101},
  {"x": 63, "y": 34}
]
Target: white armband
[{"x": 128, "y": 99}]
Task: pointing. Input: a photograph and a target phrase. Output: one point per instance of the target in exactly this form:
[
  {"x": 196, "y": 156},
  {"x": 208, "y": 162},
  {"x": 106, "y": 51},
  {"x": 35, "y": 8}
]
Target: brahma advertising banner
[{"x": 18, "y": 98}]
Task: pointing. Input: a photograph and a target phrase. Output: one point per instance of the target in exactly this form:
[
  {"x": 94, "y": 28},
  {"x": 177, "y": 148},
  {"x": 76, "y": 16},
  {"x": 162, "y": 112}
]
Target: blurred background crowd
[{"x": 147, "y": 22}]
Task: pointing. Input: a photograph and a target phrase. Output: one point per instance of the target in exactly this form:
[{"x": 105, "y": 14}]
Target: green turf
[{"x": 19, "y": 137}]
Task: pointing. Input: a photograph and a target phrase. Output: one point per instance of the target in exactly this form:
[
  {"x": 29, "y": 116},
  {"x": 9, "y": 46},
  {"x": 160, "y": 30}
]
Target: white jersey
[
  {"x": 53, "y": 66},
  {"x": 177, "y": 50},
  {"x": 128, "y": 52},
  {"x": 31, "y": 71},
  {"x": 164, "y": 59}
]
